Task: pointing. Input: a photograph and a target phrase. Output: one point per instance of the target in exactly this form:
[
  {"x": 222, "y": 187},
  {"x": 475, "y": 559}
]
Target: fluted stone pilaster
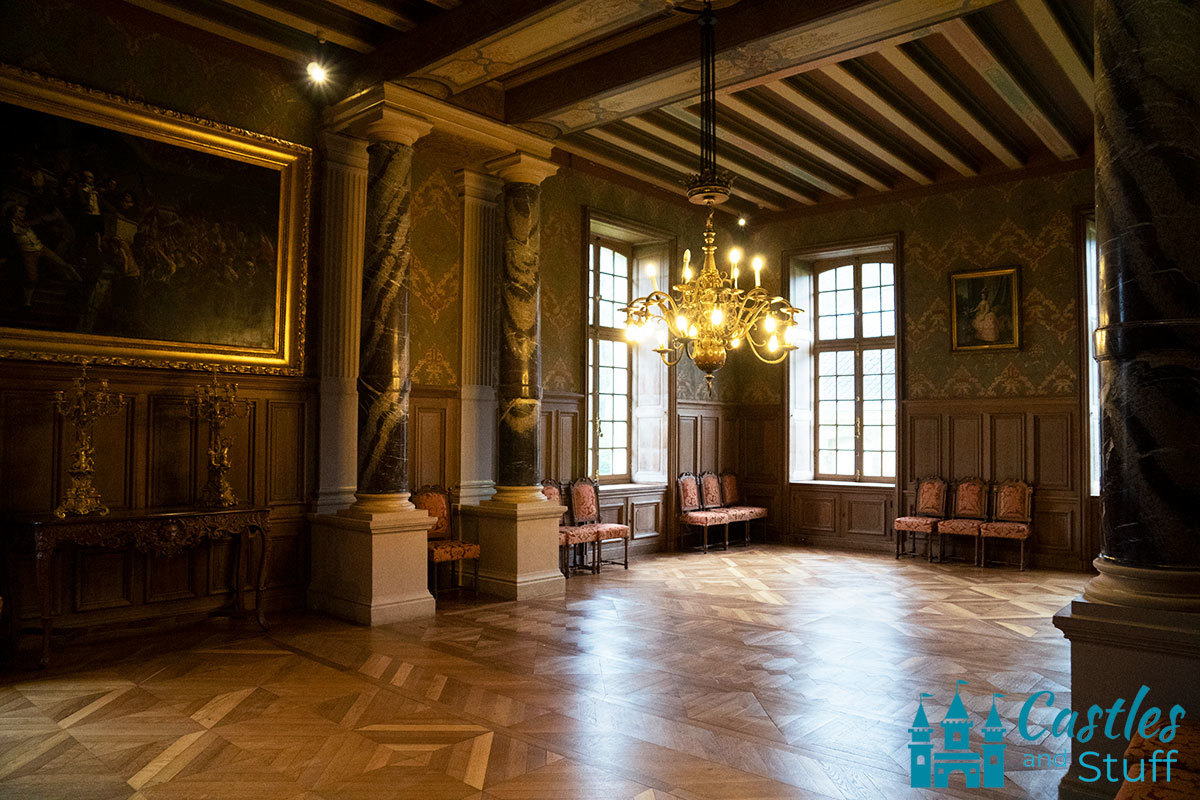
[
  {"x": 1148, "y": 222},
  {"x": 520, "y": 385},
  {"x": 383, "y": 385}
]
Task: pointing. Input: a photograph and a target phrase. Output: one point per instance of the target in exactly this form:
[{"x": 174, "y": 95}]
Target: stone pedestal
[
  {"x": 518, "y": 543},
  {"x": 370, "y": 567}
]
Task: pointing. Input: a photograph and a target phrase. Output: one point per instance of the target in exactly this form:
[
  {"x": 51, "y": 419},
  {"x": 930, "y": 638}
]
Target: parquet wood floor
[{"x": 768, "y": 672}]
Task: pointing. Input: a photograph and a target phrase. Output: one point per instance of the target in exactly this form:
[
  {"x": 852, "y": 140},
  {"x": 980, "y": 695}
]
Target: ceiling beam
[
  {"x": 376, "y": 12},
  {"x": 801, "y": 142},
  {"x": 303, "y": 24},
  {"x": 847, "y": 131},
  {"x": 866, "y": 94},
  {"x": 675, "y": 163},
  {"x": 764, "y": 154},
  {"x": 904, "y": 64},
  {"x": 975, "y": 52},
  {"x": 1055, "y": 38},
  {"x": 230, "y": 32},
  {"x": 581, "y": 149},
  {"x": 667, "y": 136}
]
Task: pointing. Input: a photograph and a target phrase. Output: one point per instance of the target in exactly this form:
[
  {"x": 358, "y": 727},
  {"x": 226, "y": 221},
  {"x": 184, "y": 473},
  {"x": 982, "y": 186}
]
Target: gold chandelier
[{"x": 709, "y": 314}]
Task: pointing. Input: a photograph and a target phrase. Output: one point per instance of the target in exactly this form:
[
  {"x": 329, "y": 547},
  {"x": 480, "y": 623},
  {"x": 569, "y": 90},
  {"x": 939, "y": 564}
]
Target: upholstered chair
[
  {"x": 732, "y": 498},
  {"x": 1012, "y": 517},
  {"x": 930, "y": 506},
  {"x": 585, "y": 514},
  {"x": 569, "y": 537},
  {"x": 968, "y": 510},
  {"x": 442, "y": 546},
  {"x": 691, "y": 511}
]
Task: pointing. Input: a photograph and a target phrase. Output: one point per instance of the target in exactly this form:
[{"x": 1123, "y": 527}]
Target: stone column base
[
  {"x": 1114, "y": 651},
  {"x": 371, "y": 567},
  {"x": 1144, "y": 587},
  {"x": 472, "y": 493},
  {"x": 518, "y": 544}
]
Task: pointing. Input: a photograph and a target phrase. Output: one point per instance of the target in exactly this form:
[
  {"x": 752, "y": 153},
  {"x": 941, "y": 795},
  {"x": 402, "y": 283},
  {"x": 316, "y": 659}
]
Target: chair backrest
[
  {"x": 1012, "y": 501},
  {"x": 585, "y": 501},
  {"x": 553, "y": 493},
  {"x": 436, "y": 501},
  {"x": 729, "y": 489},
  {"x": 689, "y": 492},
  {"x": 931, "y": 497},
  {"x": 710, "y": 490},
  {"x": 970, "y": 499}
]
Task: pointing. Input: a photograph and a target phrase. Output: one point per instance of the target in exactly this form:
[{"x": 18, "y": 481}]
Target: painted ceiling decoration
[{"x": 818, "y": 101}]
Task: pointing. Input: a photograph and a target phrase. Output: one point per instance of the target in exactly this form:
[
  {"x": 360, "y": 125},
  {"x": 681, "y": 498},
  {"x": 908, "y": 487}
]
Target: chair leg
[
  {"x": 983, "y": 551},
  {"x": 1022, "y": 566},
  {"x": 726, "y": 535},
  {"x": 747, "y": 533},
  {"x": 475, "y": 578},
  {"x": 705, "y": 538},
  {"x": 977, "y": 538},
  {"x": 626, "y": 540}
]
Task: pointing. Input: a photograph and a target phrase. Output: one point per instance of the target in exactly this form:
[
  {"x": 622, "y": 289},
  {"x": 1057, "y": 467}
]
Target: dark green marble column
[
  {"x": 520, "y": 386},
  {"x": 383, "y": 383},
  {"x": 1148, "y": 221}
]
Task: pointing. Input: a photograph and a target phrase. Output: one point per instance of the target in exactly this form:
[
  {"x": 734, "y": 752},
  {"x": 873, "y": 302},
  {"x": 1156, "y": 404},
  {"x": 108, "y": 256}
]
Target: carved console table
[{"x": 162, "y": 533}]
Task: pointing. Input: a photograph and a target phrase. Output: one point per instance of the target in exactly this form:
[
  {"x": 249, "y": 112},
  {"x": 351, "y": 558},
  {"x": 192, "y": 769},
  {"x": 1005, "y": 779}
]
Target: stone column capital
[
  {"x": 522, "y": 168},
  {"x": 390, "y": 124},
  {"x": 343, "y": 150},
  {"x": 478, "y": 185}
]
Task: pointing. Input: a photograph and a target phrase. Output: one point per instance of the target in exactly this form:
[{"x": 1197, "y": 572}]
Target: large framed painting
[
  {"x": 985, "y": 309},
  {"x": 137, "y": 236}
]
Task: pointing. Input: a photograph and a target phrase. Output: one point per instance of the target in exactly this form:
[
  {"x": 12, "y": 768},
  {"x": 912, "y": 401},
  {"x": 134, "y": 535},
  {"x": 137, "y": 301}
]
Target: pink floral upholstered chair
[
  {"x": 692, "y": 514},
  {"x": 442, "y": 547},
  {"x": 968, "y": 510},
  {"x": 930, "y": 507},
  {"x": 732, "y": 504},
  {"x": 585, "y": 513},
  {"x": 1012, "y": 515},
  {"x": 570, "y": 536}
]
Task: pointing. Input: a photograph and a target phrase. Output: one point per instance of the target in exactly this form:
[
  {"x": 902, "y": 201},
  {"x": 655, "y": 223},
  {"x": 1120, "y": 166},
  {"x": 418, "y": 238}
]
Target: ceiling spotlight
[
  {"x": 741, "y": 222},
  {"x": 317, "y": 72}
]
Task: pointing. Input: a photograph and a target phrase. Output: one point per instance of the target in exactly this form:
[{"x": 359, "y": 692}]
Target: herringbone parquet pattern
[{"x": 761, "y": 673}]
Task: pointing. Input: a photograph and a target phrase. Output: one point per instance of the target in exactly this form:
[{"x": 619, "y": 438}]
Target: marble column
[
  {"x": 343, "y": 212},
  {"x": 517, "y": 528},
  {"x": 481, "y": 258},
  {"x": 1138, "y": 621},
  {"x": 369, "y": 560}
]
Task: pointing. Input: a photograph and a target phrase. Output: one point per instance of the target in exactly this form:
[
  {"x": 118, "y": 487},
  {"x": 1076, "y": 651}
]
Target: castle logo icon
[{"x": 984, "y": 769}]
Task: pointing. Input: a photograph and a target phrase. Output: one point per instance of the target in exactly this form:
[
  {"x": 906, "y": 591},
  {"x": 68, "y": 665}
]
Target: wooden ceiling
[{"x": 819, "y": 101}]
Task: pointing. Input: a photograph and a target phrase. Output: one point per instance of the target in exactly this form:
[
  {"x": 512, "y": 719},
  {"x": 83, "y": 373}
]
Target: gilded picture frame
[
  {"x": 138, "y": 236},
  {"x": 985, "y": 309}
]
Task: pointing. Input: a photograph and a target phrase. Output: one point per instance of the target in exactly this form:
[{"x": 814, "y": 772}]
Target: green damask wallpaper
[
  {"x": 131, "y": 56},
  {"x": 564, "y": 197},
  {"x": 1029, "y": 222}
]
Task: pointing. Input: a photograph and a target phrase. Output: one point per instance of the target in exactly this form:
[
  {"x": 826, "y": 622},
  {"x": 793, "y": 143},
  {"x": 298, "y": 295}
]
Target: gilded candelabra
[
  {"x": 82, "y": 407},
  {"x": 214, "y": 404}
]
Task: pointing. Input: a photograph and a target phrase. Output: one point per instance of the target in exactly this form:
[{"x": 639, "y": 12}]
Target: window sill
[
  {"x": 861, "y": 484},
  {"x": 631, "y": 487}
]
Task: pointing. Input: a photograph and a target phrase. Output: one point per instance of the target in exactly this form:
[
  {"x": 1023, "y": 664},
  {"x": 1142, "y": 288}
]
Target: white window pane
[
  {"x": 620, "y": 381},
  {"x": 621, "y": 291},
  {"x": 872, "y": 412},
  {"x": 606, "y": 379},
  {"x": 845, "y": 302},
  {"x": 606, "y": 259},
  {"x": 887, "y": 299},
  {"x": 827, "y": 388},
  {"x": 827, "y": 363},
  {"x": 888, "y": 387},
  {"x": 872, "y": 439},
  {"x": 606, "y": 315},
  {"x": 887, "y": 411},
  {"x": 889, "y": 325},
  {"x": 620, "y": 432},
  {"x": 871, "y": 327},
  {"x": 845, "y": 387},
  {"x": 606, "y": 287},
  {"x": 885, "y": 275},
  {"x": 828, "y": 411},
  {"x": 827, "y": 281},
  {"x": 845, "y": 412},
  {"x": 845, "y": 277},
  {"x": 872, "y": 387},
  {"x": 606, "y": 352},
  {"x": 871, "y": 361},
  {"x": 620, "y": 265},
  {"x": 845, "y": 362},
  {"x": 606, "y": 433},
  {"x": 870, "y": 274},
  {"x": 621, "y": 407},
  {"x": 827, "y": 438},
  {"x": 827, "y": 327},
  {"x": 889, "y": 437},
  {"x": 620, "y": 461},
  {"x": 845, "y": 328},
  {"x": 889, "y": 360},
  {"x": 620, "y": 354},
  {"x": 870, "y": 300},
  {"x": 827, "y": 461},
  {"x": 606, "y": 406},
  {"x": 606, "y": 462},
  {"x": 872, "y": 463},
  {"x": 845, "y": 462}
]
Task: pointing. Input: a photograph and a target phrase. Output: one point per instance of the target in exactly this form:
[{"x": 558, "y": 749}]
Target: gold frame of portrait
[
  {"x": 1014, "y": 275},
  {"x": 292, "y": 161}
]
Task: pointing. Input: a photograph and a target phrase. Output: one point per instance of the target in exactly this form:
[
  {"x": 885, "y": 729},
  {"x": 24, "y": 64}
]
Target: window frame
[
  {"x": 595, "y": 333},
  {"x": 858, "y": 344}
]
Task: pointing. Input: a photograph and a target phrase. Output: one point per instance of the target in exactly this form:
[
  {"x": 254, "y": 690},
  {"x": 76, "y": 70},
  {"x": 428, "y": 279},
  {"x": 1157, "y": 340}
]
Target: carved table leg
[
  {"x": 43, "y": 585},
  {"x": 261, "y": 584},
  {"x": 240, "y": 568}
]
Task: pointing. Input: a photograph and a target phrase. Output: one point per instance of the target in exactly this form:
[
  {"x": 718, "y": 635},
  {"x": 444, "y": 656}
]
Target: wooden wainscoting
[
  {"x": 1032, "y": 439},
  {"x": 641, "y": 506},
  {"x": 562, "y": 436},
  {"x": 855, "y": 516},
  {"x": 433, "y": 441},
  {"x": 153, "y": 455}
]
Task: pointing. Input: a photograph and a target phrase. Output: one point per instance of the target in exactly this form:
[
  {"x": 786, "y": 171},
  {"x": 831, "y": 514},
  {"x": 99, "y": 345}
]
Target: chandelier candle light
[{"x": 709, "y": 314}]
